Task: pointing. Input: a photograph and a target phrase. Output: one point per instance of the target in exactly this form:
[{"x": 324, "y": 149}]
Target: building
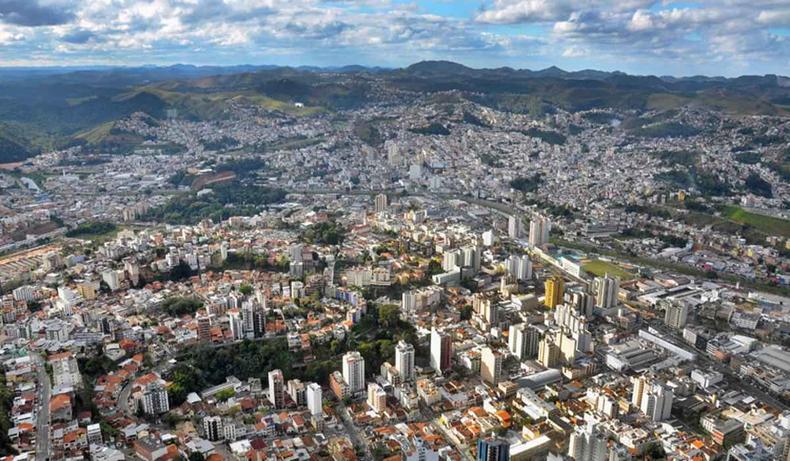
[
  {"x": 515, "y": 227},
  {"x": 675, "y": 314},
  {"x": 539, "y": 228},
  {"x": 204, "y": 328},
  {"x": 655, "y": 401},
  {"x": 298, "y": 392},
  {"x": 548, "y": 353},
  {"x": 519, "y": 267},
  {"x": 491, "y": 365},
  {"x": 377, "y": 398},
  {"x": 441, "y": 350},
  {"x": 588, "y": 444},
  {"x": 555, "y": 290},
  {"x": 404, "y": 361},
  {"x": 380, "y": 203},
  {"x": 523, "y": 341},
  {"x": 493, "y": 449},
  {"x": 606, "y": 289},
  {"x": 155, "y": 400},
  {"x": 354, "y": 372},
  {"x": 314, "y": 400},
  {"x": 212, "y": 428},
  {"x": 277, "y": 388},
  {"x": 65, "y": 370}
]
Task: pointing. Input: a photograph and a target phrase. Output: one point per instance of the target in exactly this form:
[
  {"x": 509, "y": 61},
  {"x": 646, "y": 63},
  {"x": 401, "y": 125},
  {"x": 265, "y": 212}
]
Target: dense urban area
[{"x": 423, "y": 274}]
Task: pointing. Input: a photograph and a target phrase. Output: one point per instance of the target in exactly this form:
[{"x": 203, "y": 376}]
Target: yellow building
[{"x": 555, "y": 289}]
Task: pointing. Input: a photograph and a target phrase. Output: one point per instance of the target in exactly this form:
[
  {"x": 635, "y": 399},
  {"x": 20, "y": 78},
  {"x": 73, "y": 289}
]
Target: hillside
[{"x": 54, "y": 108}]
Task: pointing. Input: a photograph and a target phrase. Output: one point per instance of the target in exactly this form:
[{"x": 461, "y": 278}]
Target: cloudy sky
[{"x": 713, "y": 37}]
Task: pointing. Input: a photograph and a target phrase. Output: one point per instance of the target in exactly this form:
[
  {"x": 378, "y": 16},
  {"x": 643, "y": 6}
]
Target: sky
[{"x": 722, "y": 37}]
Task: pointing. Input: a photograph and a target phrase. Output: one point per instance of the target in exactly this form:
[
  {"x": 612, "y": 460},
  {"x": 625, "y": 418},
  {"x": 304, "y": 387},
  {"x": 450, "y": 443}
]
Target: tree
[
  {"x": 389, "y": 315},
  {"x": 466, "y": 312},
  {"x": 196, "y": 456}
]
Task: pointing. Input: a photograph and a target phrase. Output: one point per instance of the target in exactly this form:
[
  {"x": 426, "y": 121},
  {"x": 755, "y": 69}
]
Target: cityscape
[{"x": 420, "y": 261}]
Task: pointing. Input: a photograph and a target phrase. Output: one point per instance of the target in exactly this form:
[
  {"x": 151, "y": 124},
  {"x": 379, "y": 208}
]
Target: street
[{"x": 42, "y": 417}]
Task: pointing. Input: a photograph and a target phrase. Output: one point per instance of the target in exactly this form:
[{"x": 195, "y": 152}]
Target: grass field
[
  {"x": 763, "y": 223},
  {"x": 599, "y": 267}
]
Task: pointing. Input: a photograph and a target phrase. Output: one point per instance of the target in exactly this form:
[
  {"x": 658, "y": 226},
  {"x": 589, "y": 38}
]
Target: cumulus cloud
[
  {"x": 34, "y": 13},
  {"x": 383, "y": 31}
]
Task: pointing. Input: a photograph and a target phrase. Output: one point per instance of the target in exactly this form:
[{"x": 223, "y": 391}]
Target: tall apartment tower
[
  {"x": 441, "y": 350},
  {"x": 606, "y": 289},
  {"x": 277, "y": 388},
  {"x": 354, "y": 372},
  {"x": 555, "y": 289},
  {"x": 404, "y": 360},
  {"x": 539, "y": 228}
]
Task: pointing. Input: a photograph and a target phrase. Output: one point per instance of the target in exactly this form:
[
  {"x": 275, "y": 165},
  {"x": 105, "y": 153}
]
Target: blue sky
[{"x": 724, "y": 37}]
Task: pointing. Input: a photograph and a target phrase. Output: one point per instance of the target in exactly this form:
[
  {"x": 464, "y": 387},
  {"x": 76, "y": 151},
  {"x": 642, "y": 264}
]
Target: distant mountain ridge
[{"x": 55, "y": 106}]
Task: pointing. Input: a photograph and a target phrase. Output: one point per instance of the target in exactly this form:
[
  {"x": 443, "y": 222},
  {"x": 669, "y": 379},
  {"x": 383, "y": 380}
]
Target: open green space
[
  {"x": 761, "y": 222},
  {"x": 600, "y": 267}
]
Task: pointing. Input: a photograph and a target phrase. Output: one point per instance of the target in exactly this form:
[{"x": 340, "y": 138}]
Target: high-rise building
[
  {"x": 539, "y": 228},
  {"x": 298, "y": 391},
  {"x": 676, "y": 314},
  {"x": 212, "y": 428},
  {"x": 493, "y": 449},
  {"x": 155, "y": 400},
  {"x": 451, "y": 260},
  {"x": 606, "y": 289},
  {"x": 377, "y": 398},
  {"x": 236, "y": 324},
  {"x": 515, "y": 227},
  {"x": 204, "y": 328},
  {"x": 519, "y": 267},
  {"x": 354, "y": 372},
  {"x": 441, "y": 350},
  {"x": 555, "y": 289},
  {"x": 380, "y": 203},
  {"x": 657, "y": 402},
  {"x": 314, "y": 399},
  {"x": 588, "y": 444},
  {"x": 277, "y": 388},
  {"x": 523, "y": 341},
  {"x": 548, "y": 353},
  {"x": 404, "y": 361},
  {"x": 491, "y": 365}
]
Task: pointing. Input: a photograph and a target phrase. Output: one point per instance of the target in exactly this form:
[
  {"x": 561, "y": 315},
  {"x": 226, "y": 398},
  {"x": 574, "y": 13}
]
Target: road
[
  {"x": 42, "y": 418},
  {"x": 352, "y": 431}
]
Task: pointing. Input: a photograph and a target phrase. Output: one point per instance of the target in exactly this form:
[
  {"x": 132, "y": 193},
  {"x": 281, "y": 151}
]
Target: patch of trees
[
  {"x": 434, "y": 128},
  {"x": 758, "y": 186},
  {"x": 177, "y": 306},
  {"x": 225, "y": 200},
  {"x": 324, "y": 233},
  {"x": 526, "y": 184},
  {"x": 92, "y": 228},
  {"x": 547, "y": 136}
]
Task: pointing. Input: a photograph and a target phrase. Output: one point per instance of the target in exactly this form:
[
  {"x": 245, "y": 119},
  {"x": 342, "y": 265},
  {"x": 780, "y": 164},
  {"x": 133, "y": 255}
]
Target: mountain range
[{"x": 44, "y": 108}]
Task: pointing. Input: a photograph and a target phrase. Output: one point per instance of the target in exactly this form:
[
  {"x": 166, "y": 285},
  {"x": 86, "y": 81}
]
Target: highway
[{"x": 42, "y": 417}]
